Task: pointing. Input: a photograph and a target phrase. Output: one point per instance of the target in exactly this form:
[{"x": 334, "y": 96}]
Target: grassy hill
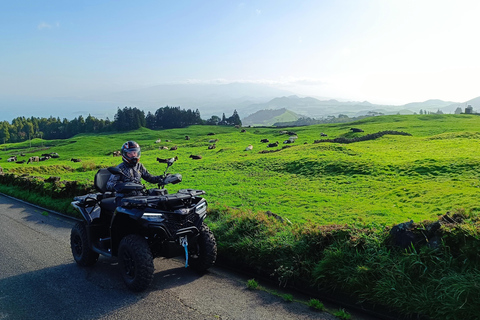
[
  {"x": 388, "y": 180},
  {"x": 316, "y": 214},
  {"x": 269, "y": 117}
]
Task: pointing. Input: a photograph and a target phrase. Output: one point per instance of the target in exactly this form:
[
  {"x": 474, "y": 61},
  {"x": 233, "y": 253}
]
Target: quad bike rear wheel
[
  {"x": 136, "y": 262},
  {"x": 79, "y": 243}
]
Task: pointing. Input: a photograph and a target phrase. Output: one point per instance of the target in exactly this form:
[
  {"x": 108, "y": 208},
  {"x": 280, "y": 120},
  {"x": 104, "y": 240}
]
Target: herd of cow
[
  {"x": 293, "y": 137},
  {"x": 32, "y": 159}
]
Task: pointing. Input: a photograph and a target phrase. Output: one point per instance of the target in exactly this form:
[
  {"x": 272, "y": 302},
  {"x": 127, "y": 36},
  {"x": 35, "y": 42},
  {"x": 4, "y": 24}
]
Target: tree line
[{"x": 126, "y": 119}]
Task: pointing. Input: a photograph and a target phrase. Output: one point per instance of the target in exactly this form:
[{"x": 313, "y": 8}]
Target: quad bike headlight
[
  {"x": 153, "y": 217},
  {"x": 201, "y": 208}
]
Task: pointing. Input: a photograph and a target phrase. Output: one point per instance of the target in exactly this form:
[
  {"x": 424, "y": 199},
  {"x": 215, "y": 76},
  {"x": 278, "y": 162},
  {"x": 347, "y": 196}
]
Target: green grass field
[
  {"x": 388, "y": 180},
  {"x": 342, "y": 200}
]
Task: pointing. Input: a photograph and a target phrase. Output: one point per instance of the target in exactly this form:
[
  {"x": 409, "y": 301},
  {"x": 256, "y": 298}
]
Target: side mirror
[{"x": 173, "y": 179}]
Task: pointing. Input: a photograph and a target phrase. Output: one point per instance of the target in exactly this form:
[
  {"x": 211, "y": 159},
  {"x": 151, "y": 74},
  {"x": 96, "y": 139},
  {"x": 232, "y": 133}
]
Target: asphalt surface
[{"x": 40, "y": 280}]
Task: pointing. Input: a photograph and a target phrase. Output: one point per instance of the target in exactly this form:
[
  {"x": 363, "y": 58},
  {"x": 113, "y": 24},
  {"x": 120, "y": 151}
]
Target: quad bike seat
[
  {"x": 101, "y": 179},
  {"x": 107, "y": 203}
]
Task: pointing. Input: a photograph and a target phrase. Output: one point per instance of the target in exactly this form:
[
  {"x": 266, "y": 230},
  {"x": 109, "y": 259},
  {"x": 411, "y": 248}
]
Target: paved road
[{"x": 40, "y": 280}]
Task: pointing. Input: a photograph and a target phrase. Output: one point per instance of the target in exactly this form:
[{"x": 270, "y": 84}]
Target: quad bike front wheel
[
  {"x": 136, "y": 262},
  {"x": 79, "y": 243},
  {"x": 204, "y": 254}
]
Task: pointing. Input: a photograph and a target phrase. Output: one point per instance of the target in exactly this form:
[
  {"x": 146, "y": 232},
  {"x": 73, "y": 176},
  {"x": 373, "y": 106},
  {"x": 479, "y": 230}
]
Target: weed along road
[{"x": 40, "y": 280}]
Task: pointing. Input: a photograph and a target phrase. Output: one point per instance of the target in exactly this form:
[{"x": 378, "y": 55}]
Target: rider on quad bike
[
  {"x": 131, "y": 168},
  {"x": 136, "y": 224}
]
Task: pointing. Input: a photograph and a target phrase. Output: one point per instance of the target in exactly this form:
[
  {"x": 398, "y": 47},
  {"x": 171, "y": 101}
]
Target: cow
[
  {"x": 158, "y": 141},
  {"x": 249, "y": 147},
  {"x": 194, "y": 157},
  {"x": 75, "y": 160},
  {"x": 187, "y": 138},
  {"x": 213, "y": 146},
  {"x": 243, "y": 130},
  {"x": 212, "y": 140},
  {"x": 12, "y": 159},
  {"x": 356, "y": 130},
  {"x": 323, "y": 134},
  {"x": 33, "y": 159},
  {"x": 167, "y": 160},
  {"x": 264, "y": 140},
  {"x": 116, "y": 153},
  {"x": 272, "y": 145},
  {"x": 20, "y": 162},
  {"x": 173, "y": 148},
  {"x": 54, "y": 155}
]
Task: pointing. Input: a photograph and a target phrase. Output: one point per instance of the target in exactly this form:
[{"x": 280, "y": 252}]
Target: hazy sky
[{"x": 383, "y": 51}]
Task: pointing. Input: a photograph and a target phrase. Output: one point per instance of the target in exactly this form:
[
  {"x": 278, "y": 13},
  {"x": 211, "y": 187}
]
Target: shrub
[
  {"x": 252, "y": 284},
  {"x": 316, "y": 305}
]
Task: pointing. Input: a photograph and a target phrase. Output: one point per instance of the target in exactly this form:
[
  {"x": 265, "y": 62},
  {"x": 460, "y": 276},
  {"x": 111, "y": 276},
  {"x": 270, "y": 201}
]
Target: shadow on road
[{"x": 73, "y": 292}]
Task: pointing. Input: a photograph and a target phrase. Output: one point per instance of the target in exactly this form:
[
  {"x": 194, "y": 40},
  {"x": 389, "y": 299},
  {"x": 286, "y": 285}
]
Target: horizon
[
  {"x": 103, "y": 110},
  {"x": 383, "y": 52}
]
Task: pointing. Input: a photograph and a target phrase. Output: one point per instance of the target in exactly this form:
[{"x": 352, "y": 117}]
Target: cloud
[
  {"x": 308, "y": 82},
  {"x": 282, "y": 81},
  {"x": 258, "y": 12},
  {"x": 44, "y": 25}
]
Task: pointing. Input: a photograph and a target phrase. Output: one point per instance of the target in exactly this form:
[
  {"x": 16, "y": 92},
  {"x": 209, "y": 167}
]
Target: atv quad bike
[{"x": 136, "y": 229}]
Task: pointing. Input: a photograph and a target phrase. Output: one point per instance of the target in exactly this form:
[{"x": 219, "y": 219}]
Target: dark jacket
[{"x": 131, "y": 174}]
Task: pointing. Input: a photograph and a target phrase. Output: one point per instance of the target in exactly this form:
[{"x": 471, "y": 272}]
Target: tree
[
  {"x": 4, "y": 134},
  {"x": 235, "y": 119},
  {"x": 174, "y": 117},
  {"x": 129, "y": 119},
  {"x": 89, "y": 124},
  {"x": 150, "y": 121},
  {"x": 213, "y": 121},
  {"x": 28, "y": 129}
]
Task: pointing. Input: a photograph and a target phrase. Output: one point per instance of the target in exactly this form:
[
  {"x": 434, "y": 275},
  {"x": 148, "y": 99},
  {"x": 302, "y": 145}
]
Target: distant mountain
[
  {"x": 314, "y": 108},
  {"x": 213, "y": 99},
  {"x": 269, "y": 117},
  {"x": 318, "y": 109},
  {"x": 432, "y": 105}
]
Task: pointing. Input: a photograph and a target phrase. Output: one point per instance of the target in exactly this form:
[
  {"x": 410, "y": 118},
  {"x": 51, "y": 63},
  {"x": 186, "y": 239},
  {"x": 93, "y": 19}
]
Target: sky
[{"x": 381, "y": 51}]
